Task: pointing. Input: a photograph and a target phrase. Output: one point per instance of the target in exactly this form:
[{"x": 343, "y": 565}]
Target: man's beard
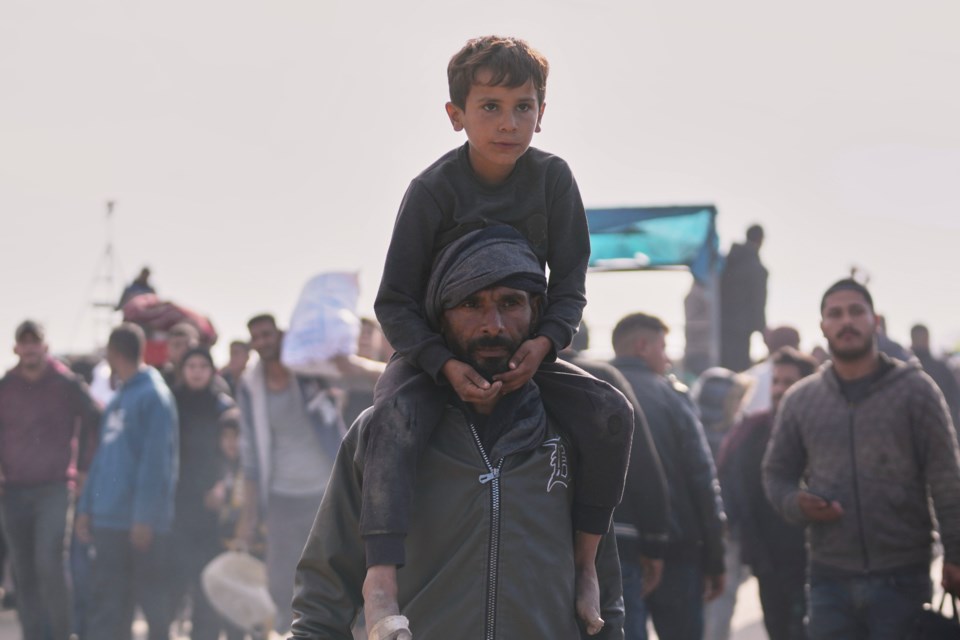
[
  {"x": 852, "y": 353},
  {"x": 488, "y": 367}
]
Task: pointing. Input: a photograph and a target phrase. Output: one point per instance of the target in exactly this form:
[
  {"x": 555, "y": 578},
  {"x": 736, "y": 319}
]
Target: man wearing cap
[
  {"x": 489, "y": 549},
  {"x": 858, "y": 452},
  {"x": 44, "y": 410}
]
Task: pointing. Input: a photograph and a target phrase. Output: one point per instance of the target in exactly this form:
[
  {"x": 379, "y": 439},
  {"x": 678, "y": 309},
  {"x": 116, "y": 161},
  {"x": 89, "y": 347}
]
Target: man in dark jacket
[
  {"x": 936, "y": 369},
  {"x": 773, "y": 548},
  {"x": 870, "y": 439},
  {"x": 489, "y": 553},
  {"x": 642, "y": 521},
  {"x": 693, "y": 567},
  {"x": 44, "y": 411},
  {"x": 743, "y": 300}
]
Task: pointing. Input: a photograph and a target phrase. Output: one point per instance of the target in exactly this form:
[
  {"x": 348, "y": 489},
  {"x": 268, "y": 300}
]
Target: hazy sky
[{"x": 250, "y": 145}]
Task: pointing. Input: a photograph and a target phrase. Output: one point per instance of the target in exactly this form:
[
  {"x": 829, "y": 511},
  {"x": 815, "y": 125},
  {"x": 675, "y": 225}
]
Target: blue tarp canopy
[{"x": 632, "y": 238}]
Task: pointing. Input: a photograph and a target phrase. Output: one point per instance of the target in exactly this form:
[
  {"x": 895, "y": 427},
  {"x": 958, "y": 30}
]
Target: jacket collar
[{"x": 890, "y": 370}]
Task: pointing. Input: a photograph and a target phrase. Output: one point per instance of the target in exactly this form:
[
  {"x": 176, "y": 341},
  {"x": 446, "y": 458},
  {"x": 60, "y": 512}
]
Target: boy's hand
[
  {"x": 469, "y": 385},
  {"x": 524, "y": 363},
  {"x": 216, "y": 497}
]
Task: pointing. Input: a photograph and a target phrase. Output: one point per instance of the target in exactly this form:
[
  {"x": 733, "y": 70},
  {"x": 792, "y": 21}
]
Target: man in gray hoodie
[{"x": 857, "y": 450}]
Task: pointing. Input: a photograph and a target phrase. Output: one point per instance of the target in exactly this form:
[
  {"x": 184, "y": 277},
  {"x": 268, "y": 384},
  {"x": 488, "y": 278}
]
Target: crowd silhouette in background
[
  {"x": 50, "y": 427},
  {"x": 128, "y": 477}
]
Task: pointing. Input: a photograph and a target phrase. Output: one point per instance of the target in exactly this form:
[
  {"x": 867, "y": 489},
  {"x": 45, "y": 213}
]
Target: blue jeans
[
  {"x": 35, "y": 524},
  {"x": 121, "y": 578},
  {"x": 867, "y": 607},
  {"x": 676, "y": 605}
]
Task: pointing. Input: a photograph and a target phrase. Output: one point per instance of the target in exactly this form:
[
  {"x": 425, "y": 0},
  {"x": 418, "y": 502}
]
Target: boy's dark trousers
[
  {"x": 122, "y": 578},
  {"x": 408, "y": 405}
]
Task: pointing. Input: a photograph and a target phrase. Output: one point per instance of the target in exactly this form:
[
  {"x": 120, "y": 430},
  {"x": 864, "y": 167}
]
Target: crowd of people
[{"x": 500, "y": 484}]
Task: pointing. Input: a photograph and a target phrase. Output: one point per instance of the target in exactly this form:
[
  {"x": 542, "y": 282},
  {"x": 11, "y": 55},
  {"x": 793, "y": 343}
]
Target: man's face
[
  {"x": 486, "y": 328},
  {"x": 239, "y": 356},
  {"x": 849, "y": 325},
  {"x": 784, "y": 377},
  {"x": 652, "y": 349},
  {"x": 265, "y": 339},
  {"x": 177, "y": 347},
  {"x": 31, "y": 350},
  {"x": 500, "y": 122}
]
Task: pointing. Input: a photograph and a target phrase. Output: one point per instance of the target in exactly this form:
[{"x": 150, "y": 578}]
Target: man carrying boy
[
  {"x": 497, "y": 88},
  {"x": 490, "y": 546}
]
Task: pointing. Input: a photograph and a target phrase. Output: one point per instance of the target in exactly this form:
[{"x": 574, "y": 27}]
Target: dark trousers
[
  {"x": 193, "y": 551},
  {"x": 408, "y": 406},
  {"x": 872, "y": 607},
  {"x": 35, "y": 524},
  {"x": 676, "y": 605},
  {"x": 122, "y": 578},
  {"x": 735, "y": 350},
  {"x": 784, "y": 601},
  {"x": 80, "y": 561}
]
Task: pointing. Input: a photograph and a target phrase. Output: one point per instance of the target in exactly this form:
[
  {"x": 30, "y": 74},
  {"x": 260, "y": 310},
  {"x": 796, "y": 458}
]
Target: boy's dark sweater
[{"x": 540, "y": 199}]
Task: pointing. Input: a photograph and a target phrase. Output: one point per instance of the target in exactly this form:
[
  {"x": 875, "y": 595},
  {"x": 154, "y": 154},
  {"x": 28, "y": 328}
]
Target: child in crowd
[
  {"x": 227, "y": 495},
  {"x": 497, "y": 88}
]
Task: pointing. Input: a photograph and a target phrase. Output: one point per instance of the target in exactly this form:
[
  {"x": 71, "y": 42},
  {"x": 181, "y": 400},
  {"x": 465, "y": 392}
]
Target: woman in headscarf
[{"x": 196, "y": 523}]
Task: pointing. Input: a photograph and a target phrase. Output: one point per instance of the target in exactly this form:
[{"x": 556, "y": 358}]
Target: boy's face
[
  {"x": 500, "y": 122},
  {"x": 230, "y": 443}
]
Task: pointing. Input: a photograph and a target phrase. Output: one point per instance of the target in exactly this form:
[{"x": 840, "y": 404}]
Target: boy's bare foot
[
  {"x": 588, "y": 599},
  {"x": 380, "y": 600}
]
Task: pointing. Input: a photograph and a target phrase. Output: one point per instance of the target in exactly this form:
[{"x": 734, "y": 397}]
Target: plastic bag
[{"x": 324, "y": 324}]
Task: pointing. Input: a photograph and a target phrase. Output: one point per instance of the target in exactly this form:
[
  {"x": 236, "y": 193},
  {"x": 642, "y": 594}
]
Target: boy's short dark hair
[
  {"x": 127, "y": 341},
  {"x": 805, "y": 364},
  {"x": 511, "y": 61},
  {"x": 847, "y": 284},
  {"x": 230, "y": 419},
  {"x": 637, "y": 322}
]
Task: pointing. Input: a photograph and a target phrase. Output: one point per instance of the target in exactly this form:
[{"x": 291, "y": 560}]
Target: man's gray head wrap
[{"x": 497, "y": 255}]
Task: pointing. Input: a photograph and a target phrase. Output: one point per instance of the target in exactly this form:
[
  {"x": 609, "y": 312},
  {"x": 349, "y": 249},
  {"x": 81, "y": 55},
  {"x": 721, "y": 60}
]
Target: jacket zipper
[
  {"x": 492, "y": 477},
  {"x": 856, "y": 491}
]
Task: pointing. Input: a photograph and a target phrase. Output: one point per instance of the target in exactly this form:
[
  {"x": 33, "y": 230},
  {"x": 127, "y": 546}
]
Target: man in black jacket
[
  {"x": 642, "y": 520},
  {"x": 693, "y": 567},
  {"x": 936, "y": 369}
]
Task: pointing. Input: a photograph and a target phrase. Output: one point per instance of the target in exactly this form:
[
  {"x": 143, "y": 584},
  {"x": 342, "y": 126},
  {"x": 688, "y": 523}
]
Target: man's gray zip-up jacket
[
  {"x": 490, "y": 546},
  {"x": 879, "y": 458}
]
